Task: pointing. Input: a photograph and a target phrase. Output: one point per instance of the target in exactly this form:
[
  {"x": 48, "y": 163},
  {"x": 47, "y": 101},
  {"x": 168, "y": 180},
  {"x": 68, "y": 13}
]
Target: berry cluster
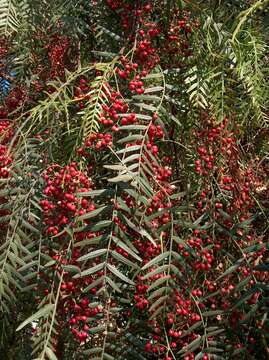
[
  {"x": 6, "y": 134},
  {"x": 61, "y": 205},
  {"x": 57, "y": 49},
  {"x": 76, "y": 309},
  {"x": 16, "y": 98}
]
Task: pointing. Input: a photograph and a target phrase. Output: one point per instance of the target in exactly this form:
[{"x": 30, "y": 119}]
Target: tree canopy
[{"x": 134, "y": 179}]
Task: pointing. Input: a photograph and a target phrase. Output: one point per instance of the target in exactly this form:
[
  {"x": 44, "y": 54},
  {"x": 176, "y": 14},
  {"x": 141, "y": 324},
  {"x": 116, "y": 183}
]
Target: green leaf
[
  {"x": 144, "y": 233},
  {"x": 108, "y": 357},
  {"x": 192, "y": 328},
  {"x": 126, "y": 248},
  {"x": 40, "y": 313},
  {"x": 158, "y": 282},
  {"x": 117, "y": 167},
  {"x": 123, "y": 178},
  {"x": 212, "y": 313},
  {"x": 131, "y": 138},
  {"x": 192, "y": 346},
  {"x": 97, "y": 329},
  {"x": 94, "y": 213},
  {"x": 92, "y": 254},
  {"x": 156, "y": 260},
  {"x": 50, "y": 354},
  {"x": 230, "y": 270},
  {"x": 92, "y": 351},
  {"x": 123, "y": 259},
  {"x": 158, "y": 270},
  {"x": 215, "y": 332},
  {"x": 113, "y": 284},
  {"x": 158, "y": 302},
  {"x": 99, "y": 225},
  {"x": 131, "y": 158},
  {"x": 95, "y": 283},
  {"x": 121, "y": 276},
  {"x": 129, "y": 149},
  {"x": 153, "y": 89},
  {"x": 133, "y": 127},
  {"x": 90, "y": 271},
  {"x": 157, "y": 293},
  {"x": 71, "y": 269},
  {"x": 94, "y": 193}
]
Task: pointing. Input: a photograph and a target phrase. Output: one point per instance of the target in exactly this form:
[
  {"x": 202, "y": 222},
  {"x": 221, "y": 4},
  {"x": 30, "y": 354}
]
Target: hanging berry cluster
[
  {"x": 6, "y": 134},
  {"x": 57, "y": 49},
  {"x": 61, "y": 205}
]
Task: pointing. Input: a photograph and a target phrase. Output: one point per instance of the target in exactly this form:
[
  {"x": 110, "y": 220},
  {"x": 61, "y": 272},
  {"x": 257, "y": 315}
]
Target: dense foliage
[{"x": 134, "y": 167}]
